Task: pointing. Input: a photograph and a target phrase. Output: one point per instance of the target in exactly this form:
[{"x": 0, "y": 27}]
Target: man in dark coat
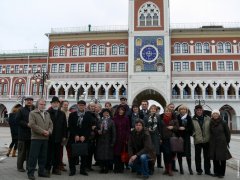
[
  {"x": 140, "y": 149},
  {"x": 144, "y": 112},
  {"x": 58, "y": 136},
  {"x": 24, "y": 133},
  {"x": 81, "y": 123}
]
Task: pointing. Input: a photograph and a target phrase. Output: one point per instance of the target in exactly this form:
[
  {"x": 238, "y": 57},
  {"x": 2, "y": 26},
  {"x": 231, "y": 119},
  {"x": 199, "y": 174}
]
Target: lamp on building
[
  {"x": 2, "y": 80},
  {"x": 41, "y": 77},
  {"x": 4, "y": 69},
  {"x": 20, "y": 80}
]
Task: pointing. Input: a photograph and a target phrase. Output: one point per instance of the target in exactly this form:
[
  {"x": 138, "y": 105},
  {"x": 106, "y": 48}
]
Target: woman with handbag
[
  {"x": 185, "y": 131},
  {"x": 218, "y": 145},
  {"x": 169, "y": 126},
  {"x": 122, "y": 124},
  {"x": 106, "y": 136},
  {"x": 152, "y": 125}
]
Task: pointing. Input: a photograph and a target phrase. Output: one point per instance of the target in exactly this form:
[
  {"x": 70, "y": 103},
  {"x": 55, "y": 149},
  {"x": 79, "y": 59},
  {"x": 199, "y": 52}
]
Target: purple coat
[{"x": 122, "y": 124}]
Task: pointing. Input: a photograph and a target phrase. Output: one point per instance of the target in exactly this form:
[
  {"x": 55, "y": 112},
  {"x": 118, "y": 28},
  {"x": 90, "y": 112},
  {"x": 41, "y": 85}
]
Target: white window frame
[
  {"x": 183, "y": 67},
  {"x": 177, "y": 64},
  {"x": 93, "y": 67},
  {"x": 78, "y": 67},
  {"x": 199, "y": 68},
  {"x": 55, "y": 52},
  {"x": 72, "y": 69},
  {"x": 111, "y": 67},
  {"x": 204, "y": 67},
  {"x": 75, "y": 50},
  {"x": 61, "y": 68},
  {"x": 224, "y": 66},
  {"x": 229, "y": 66},
  {"x": 102, "y": 68},
  {"x": 55, "y": 70},
  {"x": 120, "y": 69}
]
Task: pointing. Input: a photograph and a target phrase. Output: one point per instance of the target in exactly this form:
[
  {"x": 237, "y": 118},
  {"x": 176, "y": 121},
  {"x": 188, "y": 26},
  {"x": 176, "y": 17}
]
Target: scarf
[
  {"x": 184, "y": 119},
  {"x": 152, "y": 122},
  {"x": 80, "y": 118},
  {"x": 167, "y": 118}
]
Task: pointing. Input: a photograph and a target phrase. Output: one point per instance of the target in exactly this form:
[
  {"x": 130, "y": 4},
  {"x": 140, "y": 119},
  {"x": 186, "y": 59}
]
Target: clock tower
[{"x": 149, "y": 65}]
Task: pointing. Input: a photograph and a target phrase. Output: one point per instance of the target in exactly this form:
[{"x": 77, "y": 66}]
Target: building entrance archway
[{"x": 149, "y": 94}]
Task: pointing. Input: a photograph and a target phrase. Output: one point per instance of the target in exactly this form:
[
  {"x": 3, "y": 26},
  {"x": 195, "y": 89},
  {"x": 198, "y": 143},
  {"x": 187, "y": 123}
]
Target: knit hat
[{"x": 216, "y": 111}]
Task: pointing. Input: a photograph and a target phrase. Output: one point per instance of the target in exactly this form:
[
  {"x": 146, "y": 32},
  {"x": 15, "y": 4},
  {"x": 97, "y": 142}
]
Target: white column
[
  {"x": 66, "y": 93},
  {"x": 10, "y": 92},
  {"x": 213, "y": 49},
  {"x": 225, "y": 93},
  {"x": 235, "y": 48},
  {"x": 87, "y": 51},
  {"x": 28, "y": 85},
  {"x": 108, "y": 51},
  {"x": 68, "y": 52}
]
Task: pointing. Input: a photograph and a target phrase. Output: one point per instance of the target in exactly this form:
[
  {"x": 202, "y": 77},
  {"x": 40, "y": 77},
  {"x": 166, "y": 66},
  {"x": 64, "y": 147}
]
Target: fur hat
[{"x": 216, "y": 111}]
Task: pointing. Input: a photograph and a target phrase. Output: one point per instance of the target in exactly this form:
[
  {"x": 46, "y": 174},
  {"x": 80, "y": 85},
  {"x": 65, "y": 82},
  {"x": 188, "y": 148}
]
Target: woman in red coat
[{"x": 122, "y": 124}]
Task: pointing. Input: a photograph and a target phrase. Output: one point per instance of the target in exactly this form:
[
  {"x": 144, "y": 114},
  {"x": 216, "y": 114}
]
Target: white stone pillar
[{"x": 10, "y": 91}]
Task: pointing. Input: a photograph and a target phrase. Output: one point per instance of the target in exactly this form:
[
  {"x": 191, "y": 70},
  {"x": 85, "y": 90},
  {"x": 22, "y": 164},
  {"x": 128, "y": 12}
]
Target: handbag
[
  {"x": 124, "y": 155},
  {"x": 176, "y": 144},
  {"x": 79, "y": 149}
]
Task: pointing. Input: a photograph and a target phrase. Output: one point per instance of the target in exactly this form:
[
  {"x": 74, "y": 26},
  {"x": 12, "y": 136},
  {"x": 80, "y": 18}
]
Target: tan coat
[
  {"x": 201, "y": 135},
  {"x": 38, "y": 124}
]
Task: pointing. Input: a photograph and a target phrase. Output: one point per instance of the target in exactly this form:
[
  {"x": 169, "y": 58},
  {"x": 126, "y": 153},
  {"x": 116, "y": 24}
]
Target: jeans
[
  {"x": 198, "y": 158},
  {"x": 140, "y": 165}
]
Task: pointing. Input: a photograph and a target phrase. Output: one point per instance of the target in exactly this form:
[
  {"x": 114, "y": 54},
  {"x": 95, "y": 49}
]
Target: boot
[
  {"x": 170, "y": 173},
  {"x": 166, "y": 169},
  {"x": 14, "y": 153},
  {"x": 180, "y": 165},
  {"x": 189, "y": 161},
  {"x": 9, "y": 152}
]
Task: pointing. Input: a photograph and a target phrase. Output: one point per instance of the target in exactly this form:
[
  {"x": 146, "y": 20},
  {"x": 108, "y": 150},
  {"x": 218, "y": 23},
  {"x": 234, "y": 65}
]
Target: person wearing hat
[
  {"x": 24, "y": 133},
  {"x": 218, "y": 145},
  {"x": 106, "y": 132},
  {"x": 201, "y": 135},
  {"x": 58, "y": 136},
  {"x": 80, "y": 124}
]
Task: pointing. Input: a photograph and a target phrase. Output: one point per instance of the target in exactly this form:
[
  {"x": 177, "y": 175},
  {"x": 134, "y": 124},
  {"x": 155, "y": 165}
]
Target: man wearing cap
[
  {"x": 58, "y": 135},
  {"x": 24, "y": 133},
  {"x": 80, "y": 125},
  {"x": 201, "y": 135}
]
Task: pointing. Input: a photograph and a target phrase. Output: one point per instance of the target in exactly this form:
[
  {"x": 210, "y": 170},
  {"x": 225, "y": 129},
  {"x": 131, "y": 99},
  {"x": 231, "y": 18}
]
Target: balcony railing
[
  {"x": 209, "y": 97},
  {"x": 187, "y": 96},
  {"x": 176, "y": 96},
  {"x": 205, "y": 24},
  {"x": 220, "y": 97},
  {"x": 198, "y": 96}
]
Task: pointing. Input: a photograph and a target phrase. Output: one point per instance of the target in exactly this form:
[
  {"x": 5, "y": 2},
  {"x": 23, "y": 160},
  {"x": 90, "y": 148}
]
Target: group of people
[{"x": 117, "y": 138}]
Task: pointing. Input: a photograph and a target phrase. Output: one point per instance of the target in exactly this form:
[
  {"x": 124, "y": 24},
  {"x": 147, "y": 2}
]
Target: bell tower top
[{"x": 148, "y": 15}]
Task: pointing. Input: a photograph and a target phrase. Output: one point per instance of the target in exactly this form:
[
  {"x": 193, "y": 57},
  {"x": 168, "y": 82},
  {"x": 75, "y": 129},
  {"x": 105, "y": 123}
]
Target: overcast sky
[{"x": 23, "y": 23}]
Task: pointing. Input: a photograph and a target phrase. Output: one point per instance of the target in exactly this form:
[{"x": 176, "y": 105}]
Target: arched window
[
  {"x": 94, "y": 50},
  {"x": 228, "y": 47},
  {"x": 16, "y": 91},
  {"x": 22, "y": 89},
  {"x": 114, "y": 49},
  {"x": 142, "y": 20},
  {"x": 81, "y": 50},
  {"x": 177, "y": 48},
  {"x": 101, "y": 50},
  {"x": 62, "y": 51},
  {"x": 220, "y": 47},
  {"x": 206, "y": 48},
  {"x": 155, "y": 19},
  {"x": 74, "y": 51},
  {"x": 149, "y": 15},
  {"x": 55, "y": 51},
  {"x": 185, "y": 48},
  {"x": 198, "y": 48},
  {"x": 149, "y": 20},
  {"x": 122, "y": 49}
]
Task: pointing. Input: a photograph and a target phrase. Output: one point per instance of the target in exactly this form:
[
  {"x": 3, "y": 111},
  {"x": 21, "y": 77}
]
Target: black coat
[
  {"x": 144, "y": 116},
  {"x": 13, "y": 125},
  {"x": 59, "y": 125},
  {"x": 24, "y": 132},
  {"x": 219, "y": 139},
  {"x": 85, "y": 129},
  {"x": 185, "y": 134}
]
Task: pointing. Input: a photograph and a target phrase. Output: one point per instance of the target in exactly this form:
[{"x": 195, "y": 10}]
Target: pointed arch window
[
  {"x": 122, "y": 49},
  {"x": 206, "y": 48},
  {"x": 74, "y": 51},
  {"x": 101, "y": 50},
  {"x": 55, "y": 51},
  {"x": 81, "y": 50},
  {"x": 198, "y": 48},
  {"x": 228, "y": 48},
  {"x": 149, "y": 15},
  {"x": 62, "y": 51},
  {"x": 220, "y": 47},
  {"x": 114, "y": 49},
  {"x": 22, "y": 89},
  {"x": 185, "y": 48},
  {"x": 16, "y": 91},
  {"x": 94, "y": 50},
  {"x": 177, "y": 48}
]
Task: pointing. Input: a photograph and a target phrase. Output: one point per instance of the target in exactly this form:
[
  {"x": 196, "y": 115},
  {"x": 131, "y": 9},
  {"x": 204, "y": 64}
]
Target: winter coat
[
  {"x": 186, "y": 134},
  {"x": 76, "y": 130},
  {"x": 201, "y": 135},
  {"x": 12, "y": 121},
  {"x": 59, "y": 125},
  {"x": 153, "y": 127},
  {"x": 144, "y": 115},
  {"x": 24, "y": 132},
  {"x": 164, "y": 131},
  {"x": 122, "y": 125},
  {"x": 106, "y": 140},
  {"x": 219, "y": 139},
  {"x": 38, "y": 124},
  {"x": 141, "y": 143}
]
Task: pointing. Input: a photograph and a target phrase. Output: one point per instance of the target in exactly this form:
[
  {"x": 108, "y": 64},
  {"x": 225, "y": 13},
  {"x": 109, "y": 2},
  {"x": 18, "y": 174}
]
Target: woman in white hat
[{"x": 219, "y": 140}]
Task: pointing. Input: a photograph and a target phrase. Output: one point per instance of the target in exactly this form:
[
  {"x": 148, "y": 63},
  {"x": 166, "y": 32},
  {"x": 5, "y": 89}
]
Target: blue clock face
[{"x": 149, "y": 53}]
